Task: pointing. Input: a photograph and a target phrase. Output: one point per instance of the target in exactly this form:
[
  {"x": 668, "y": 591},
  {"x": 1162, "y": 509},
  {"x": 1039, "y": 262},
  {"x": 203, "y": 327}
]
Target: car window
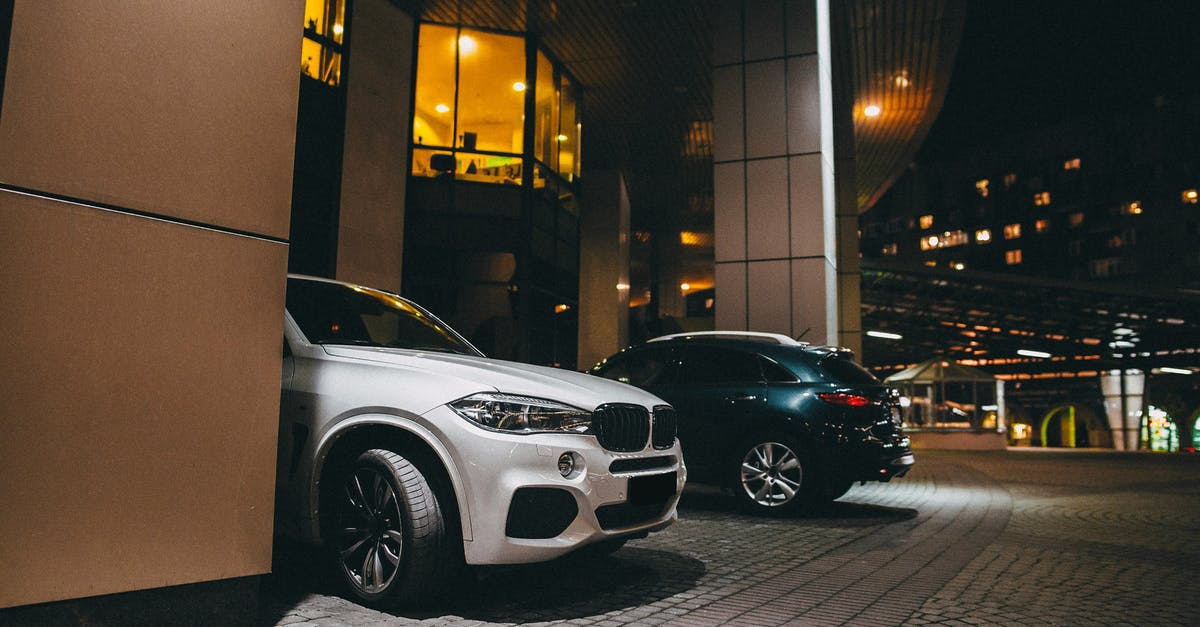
[
  {"x": 640, "y": 367},
  {"x": 773, "y": 372},
  {"x": 331, "y": 313},
  {"x": 708, "y": 364},
  {"x": 842, "y": 369}
]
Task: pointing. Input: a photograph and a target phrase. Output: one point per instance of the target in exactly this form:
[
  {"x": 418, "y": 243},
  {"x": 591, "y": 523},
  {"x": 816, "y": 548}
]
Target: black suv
[{"x": 782, "y": 423}]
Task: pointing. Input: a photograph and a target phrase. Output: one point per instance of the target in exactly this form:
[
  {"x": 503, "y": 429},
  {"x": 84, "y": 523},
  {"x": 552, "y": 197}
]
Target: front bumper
[{"x": 518, "y": 507}]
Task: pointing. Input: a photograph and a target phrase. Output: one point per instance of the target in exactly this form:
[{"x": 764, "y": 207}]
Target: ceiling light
[
  {"x": 885, "y": 335},
  {"x": 518, "y": 86},
  {"x": 1175, "y": 370},
  {"x": 337, "y": 29},
  {"x": 441, "y": 108},
  {"x": 561, "y": 138},
  {"x": 872, "y": 111},
  {"x": 1028, "y": 353},
  {"x": 466, "y": 45},
  {"x": 685, "y": 286}
]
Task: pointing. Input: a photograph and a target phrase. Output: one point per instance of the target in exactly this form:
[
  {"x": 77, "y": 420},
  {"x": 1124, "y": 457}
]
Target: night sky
[{"x": 1024, "y": 64}]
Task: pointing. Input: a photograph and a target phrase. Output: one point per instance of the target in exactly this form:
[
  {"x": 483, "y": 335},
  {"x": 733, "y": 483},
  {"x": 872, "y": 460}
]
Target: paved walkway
[{"x": 1019, "y": 537}]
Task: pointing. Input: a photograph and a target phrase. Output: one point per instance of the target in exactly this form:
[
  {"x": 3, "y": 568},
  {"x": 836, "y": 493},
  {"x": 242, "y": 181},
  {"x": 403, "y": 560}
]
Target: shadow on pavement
[
  {"x": 570, "y": 587},
  {"x": 705, "y": 499}
]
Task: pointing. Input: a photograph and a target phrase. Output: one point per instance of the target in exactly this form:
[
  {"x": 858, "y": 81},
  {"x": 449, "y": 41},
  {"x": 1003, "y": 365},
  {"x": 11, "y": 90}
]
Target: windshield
[{"x": 331, "y": 313}]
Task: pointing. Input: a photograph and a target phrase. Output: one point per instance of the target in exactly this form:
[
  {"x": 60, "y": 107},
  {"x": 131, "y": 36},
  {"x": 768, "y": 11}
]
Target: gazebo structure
[{"x": 948, "y": 405}]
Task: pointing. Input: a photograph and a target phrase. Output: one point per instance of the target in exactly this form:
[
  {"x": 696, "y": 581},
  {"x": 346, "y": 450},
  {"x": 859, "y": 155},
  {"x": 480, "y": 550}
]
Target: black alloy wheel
[{"x": 390, "y": 536}]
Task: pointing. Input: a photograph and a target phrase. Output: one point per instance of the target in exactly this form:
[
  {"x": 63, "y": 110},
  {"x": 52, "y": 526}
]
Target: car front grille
[
  {"x": 664, "y": 427},
  {"x": 620, "y": 427}
]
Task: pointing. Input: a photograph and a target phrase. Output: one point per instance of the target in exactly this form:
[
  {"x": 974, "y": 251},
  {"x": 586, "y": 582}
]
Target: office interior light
[{"x": 1031, "y": 353}]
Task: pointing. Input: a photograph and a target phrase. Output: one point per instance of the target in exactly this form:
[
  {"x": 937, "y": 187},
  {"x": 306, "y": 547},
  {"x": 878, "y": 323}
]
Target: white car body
[{"x": 330, "y": 391}]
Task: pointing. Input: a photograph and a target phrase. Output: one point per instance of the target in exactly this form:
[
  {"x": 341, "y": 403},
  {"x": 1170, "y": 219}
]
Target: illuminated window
[
  {"x": 1075, "y": 219},
  {"x": 1012, "y": 231},
  {"x": 1012, "y": 257},
  {"x": 1190, "y": 196},
  {"x": 1132, "y": 208},
  {"x": 1042, "y": 225},
  {"x": 1041, "y": 199},
  {"x": 948, "y": 239},
  {"x": 983, "y": 236},
  {"x": 469, "y": 110},
  {"x": 891, "y": 249},
  {"x": 1071, "y": 164},
  {"x": 981, "y": 186},
  {"x": 931, "y": 263},
  {"x": 926, "y": 221},
  {"x": 321, "y": 49},
  {"x": 958, "y": 265},
  {"x": 1010, "y": 180}
]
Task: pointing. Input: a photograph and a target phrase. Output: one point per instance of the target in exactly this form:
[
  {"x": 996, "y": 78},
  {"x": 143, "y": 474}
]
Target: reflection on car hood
[{"x": 577, "y": 389}]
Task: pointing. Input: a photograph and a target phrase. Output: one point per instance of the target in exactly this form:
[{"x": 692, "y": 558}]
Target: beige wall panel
[
  {"x": 186, "y": 109},
  {"x": 375, "y": 158},
  {"x": 814, "y": 301},
  {"x": 770, "y": 297},
  {"x": 767, "y": 209},
  {"x": 728, "y": 130},
  {"x": 766, "y": 109},
  {"x": 764, "y": 29},
  {"x": 140, "y": 389},
  {"x": 729, "y": 211},
  {"x": 731, "y": 296},
  {"x": 803, "y": 105},
  {"x": 807, "y": 210}
]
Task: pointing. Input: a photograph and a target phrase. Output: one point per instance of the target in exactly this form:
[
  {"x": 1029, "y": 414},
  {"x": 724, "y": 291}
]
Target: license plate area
[{"x": 649, "y": 489}]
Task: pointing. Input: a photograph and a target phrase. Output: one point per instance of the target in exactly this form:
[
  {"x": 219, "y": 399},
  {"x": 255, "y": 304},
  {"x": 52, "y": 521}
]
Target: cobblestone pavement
[{"x": 1019, "y": 537}]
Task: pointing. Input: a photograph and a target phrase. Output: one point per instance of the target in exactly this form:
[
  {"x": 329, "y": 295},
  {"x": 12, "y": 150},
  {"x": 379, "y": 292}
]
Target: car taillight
[{"x": 842, "y": 398}]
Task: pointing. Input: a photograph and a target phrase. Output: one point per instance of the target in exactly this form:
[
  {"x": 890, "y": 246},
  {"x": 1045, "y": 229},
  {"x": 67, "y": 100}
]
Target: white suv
[{"x": 408, "y": 452}]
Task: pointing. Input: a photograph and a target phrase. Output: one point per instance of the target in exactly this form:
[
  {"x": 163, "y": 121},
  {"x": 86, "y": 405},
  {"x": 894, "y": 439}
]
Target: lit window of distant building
[
  {"x": 1012, "y": 257},
  {"x": 1010, "y": 180},
  {"x": 926, "y": 221},
  {"x": 1012, "y": 231},
  {"x": 1041, "y": 199},
  {"x": 981, "y": 186},
  {"x": 321, "y": 48},
  {"x": 948, "y": 239},
  {"x": 931, "y": 263},
  {"x": 1075, "y": 219},
  {"x": 1190, "y": 196},
  {"x": 1071, "y": 164},
  {"x": 891, "y": 249},
  {"x": 1115, "y": 241},
  {"x": 1042, "y": 225},
  {"x": 1133, "y": 208},
  {"x": 983, "y": 236},
  {"x": 930, "y": 243},
  {"x": 958, "y": 265}
]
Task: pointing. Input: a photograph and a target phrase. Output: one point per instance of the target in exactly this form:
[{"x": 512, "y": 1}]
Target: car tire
[
  {"x": 390, "y": 542},
  {"x": 772, "y": 475}
]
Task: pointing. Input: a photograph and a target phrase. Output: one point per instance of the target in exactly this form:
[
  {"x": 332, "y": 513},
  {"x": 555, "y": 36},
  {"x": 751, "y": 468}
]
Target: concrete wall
[
  {"x": 145, "y": 178},
  {"x": 375, "y": 158}
]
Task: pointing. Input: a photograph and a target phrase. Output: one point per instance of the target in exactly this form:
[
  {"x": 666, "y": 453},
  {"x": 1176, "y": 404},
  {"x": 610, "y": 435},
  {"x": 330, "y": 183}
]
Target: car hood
[{"x": 467, "y": 372}]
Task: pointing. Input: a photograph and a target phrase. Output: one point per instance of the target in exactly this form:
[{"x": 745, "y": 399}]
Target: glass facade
[
  {"x": 491, "y": 225},
  {"x": 321, "y": 51}
]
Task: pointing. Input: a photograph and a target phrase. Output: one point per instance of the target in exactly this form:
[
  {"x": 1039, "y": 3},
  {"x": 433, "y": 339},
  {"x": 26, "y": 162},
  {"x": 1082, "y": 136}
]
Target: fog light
[{"x": 566, "y": 464}]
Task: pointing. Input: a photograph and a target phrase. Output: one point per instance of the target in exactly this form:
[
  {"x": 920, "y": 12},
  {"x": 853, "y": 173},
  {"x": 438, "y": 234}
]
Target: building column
[
  {"x": 375, "y": 154},
  {"x": 1123, "y": 406},
  {"x": 603, "y": 267},
  {"x": 785, "y": 255}
]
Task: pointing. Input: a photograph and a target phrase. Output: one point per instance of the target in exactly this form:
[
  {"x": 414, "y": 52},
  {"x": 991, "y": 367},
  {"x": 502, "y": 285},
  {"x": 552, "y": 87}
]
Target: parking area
[{"x": 1016, "y": 537}]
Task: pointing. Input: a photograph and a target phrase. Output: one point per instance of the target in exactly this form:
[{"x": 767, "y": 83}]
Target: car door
[{"x": 717, "y": 393}]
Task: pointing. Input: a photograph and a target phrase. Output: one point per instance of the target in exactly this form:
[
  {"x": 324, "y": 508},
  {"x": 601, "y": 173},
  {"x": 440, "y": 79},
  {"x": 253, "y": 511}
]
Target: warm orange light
[
  {"x": 467, "y": 45},
  {"x": 441, "y": 108},
  {"x": 1191, "y": 196},
  {"x": 561, "y": 138},
  {"x": 561, "y": 307},
  {"x": 872, "y": 111},
  {"x": 518, "y": 86},
  {"x": 685, "y": 286},
  {"x": 338, "y": 29}
]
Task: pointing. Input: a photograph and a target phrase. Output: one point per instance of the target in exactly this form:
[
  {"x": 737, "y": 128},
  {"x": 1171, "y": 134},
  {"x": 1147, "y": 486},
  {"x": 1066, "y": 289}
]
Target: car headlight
[{"x": 522, "y": 414}]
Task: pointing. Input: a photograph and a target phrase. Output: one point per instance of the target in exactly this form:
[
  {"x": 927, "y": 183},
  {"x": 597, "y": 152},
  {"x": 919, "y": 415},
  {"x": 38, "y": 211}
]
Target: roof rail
[{"x": 758, "y": 336}]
